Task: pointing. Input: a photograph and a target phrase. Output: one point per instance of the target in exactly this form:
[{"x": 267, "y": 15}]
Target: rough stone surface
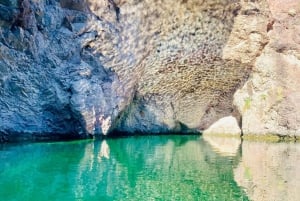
[
  {"x": 181, "y": 83},
  {"x": 85, "y": 67},
  {"x": 225, "y": 126},
  {"x": 269, "y": 100},
  {"x": 93, "y": 67},
  {"x": 51, "y": 82}
]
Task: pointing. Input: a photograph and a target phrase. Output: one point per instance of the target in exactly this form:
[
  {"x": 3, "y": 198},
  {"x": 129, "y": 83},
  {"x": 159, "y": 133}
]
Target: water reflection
[
  {"x": 270, "y": 171},
  {"x": 267, "y": 171},
  {"x": 104, "y": 150},
  {"x": 135, "y": 168},
  {"x": 151, "y": 168},
  {"x": 225, "y": 146}
]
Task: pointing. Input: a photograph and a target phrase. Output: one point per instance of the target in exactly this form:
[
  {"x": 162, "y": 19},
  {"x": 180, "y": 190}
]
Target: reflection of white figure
[
  {"x": 225, "y": 146},
  {"x": 104, "y": 150},
  {"x": 105, "y": 124}
]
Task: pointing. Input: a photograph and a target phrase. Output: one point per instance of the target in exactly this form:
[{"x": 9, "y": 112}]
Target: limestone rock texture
[
  {"x": 269, "y": 100},
  {"x": 77, "y": 68}
]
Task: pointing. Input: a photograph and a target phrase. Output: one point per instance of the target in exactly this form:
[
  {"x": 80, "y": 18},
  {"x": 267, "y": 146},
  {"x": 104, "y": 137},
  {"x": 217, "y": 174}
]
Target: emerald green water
[{"x": 133, "y": 168}]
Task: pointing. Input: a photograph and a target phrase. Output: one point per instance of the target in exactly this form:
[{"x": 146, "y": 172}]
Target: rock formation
[
  {"x": 225, "y": 126},
  {"x": 269, "y": 100},
  {"x": 75, "y": 68}
]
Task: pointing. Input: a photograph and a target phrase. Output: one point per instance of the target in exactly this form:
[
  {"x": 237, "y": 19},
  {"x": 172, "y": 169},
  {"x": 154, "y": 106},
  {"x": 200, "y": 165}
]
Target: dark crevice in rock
[{"x": 116, "y": 8}]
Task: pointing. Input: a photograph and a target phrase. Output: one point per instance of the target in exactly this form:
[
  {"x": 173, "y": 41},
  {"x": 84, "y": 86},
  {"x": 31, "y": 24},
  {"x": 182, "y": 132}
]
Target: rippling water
[{"x": 150, "y": 168}]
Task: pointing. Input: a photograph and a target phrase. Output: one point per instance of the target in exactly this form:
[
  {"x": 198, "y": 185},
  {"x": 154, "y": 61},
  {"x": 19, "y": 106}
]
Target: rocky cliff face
[
  {"x": 79, "y": 68},
  {"x": 269, "y": 100}
]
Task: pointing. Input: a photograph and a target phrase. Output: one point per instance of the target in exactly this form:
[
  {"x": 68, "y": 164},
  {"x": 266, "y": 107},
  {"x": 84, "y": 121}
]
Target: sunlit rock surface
[
  {"x": 269, "y": 171},
  {"x": 269, "y": 101},
  {"x": 224, "y": 126}
]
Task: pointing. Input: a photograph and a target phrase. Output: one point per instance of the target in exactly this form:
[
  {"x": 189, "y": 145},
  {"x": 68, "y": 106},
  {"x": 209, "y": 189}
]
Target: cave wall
[
  {"x": 269, "y": 100},
  {"x": 82, "y": 67}
]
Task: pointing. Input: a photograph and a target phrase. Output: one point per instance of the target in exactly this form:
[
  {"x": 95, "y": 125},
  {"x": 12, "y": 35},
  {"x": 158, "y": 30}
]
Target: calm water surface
[{"x": 150, "y": 168}]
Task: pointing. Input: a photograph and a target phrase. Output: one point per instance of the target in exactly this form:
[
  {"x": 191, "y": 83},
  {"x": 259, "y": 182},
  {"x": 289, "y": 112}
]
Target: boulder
[{"x": 224, "y": 126}]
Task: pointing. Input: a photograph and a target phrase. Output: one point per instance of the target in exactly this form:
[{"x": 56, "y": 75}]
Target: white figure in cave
[{"x": 105, "y": 124}]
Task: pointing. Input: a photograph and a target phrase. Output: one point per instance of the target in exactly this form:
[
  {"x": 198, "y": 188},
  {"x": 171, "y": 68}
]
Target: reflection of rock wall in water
[
  {"x": 136, "y": 168},
  {"x": 225, "y": 146},
  {"x": 160, "y": 165},
  {"x": 270, "y": 171}
]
